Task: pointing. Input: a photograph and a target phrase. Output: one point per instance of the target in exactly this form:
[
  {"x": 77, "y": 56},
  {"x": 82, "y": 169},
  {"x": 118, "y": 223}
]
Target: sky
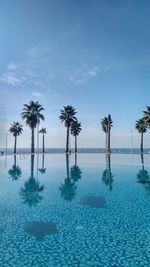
[{"x": 91, "y": 54}]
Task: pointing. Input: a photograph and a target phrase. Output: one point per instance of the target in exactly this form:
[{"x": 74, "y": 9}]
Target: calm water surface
[{"x": 87, "y": 211}]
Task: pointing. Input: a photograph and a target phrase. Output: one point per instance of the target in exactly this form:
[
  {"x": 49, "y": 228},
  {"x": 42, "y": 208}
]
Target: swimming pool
[{"x": 89, "y": 210}]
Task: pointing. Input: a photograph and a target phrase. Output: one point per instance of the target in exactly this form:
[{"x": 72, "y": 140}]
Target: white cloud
[
  {"x": 10, "y": 78},
  {"x": 37, "y": 94},
  {"x": 21, "y": 77},
  {"x": 94, "y": 71},
  {"x": 84, "y": 74}
]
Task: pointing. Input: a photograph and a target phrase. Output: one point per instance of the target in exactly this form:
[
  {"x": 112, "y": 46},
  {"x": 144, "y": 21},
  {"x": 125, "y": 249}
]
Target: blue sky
[{"x": 92, "y": 54}]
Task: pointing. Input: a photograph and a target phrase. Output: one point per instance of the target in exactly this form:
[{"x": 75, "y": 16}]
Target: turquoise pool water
[{"x": 85, "y": 211}]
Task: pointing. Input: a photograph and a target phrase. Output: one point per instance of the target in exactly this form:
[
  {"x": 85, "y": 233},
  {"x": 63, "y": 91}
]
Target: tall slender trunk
[
  {"x": 43, "y": 144},
  {"x": 15, "y": 160},
  {"x": 67, "y": 166},
  {"x": 43, "y": 161},
  {"x": 32, "y": 140},
  {"x": 108, "y": 144},
  {"x": 142, "y": 142},
  {"x": 32, "y": 166},
  {"x": 109, "y": 174},
  {"x": 108, "y": 163},
  {"x": 75, "y": 159},
  {"x": 106, "y": 141},
  {"x": 75, "y": 143},
  {"x": 67, "y": 140},
  {"x": 142, "y": 161},
  {"x": 15, "y": 145}
]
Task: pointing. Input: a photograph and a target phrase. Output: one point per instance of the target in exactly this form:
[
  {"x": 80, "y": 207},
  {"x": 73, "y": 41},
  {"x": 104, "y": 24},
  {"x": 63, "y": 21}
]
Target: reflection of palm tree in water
[
  {"x": 75, "y": 172},
  {"x": 15, "y": 172},
  {"x": 43, "y": 169},
  {"x": 32, "y": 189},
  {"x": 68, "y": 188},
  {"x": 107, "y": 176},
  {"x": 143, "y": 176}
]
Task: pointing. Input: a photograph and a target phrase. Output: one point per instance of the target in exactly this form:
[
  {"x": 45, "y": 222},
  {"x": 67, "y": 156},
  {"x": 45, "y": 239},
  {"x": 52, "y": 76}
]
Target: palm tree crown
[
  {"x": 43, "y": 131},
  {"x": 107, "y": 123},
  {"x": 32, "y": 189},
  {"x": 15, "y": 172},
  {"x": 141, "y": 126},
  {"x": 146, "y": 116},
  {"x": 75, "y": 128},
  {"x": 67, "y": 115},
  {"x": 32, "y": 116},
  {"x": 16, "y": 128},
  {"x": 106, "y": 127},
  {"x": 32, "y": 113}
]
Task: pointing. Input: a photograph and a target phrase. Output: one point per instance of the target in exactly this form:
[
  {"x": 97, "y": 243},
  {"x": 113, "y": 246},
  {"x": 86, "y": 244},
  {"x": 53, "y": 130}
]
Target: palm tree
[
  {"x": 141, "y": 127},
  {"x": 15, "y": 172},
  {"x": 68, "y": 188},
  {"x": 31, "y": 191},
  {"x": 43, "y": 131},
  {"x": 75, "y": 159},
  {"x": 32, "y": 116},
  {"x": 67, "y": 116},
  {"x": 143, "y": 175},
  {"x": 75, "y": 130},
  {"x": 146, "y": 116},
  {"x": 142, "y": 161},
  {"x": 106, "y": 127},
  {"x": 107, "y": 176},
  {"x": 16, "y": 129},
  {"x": 75, "y": 173},
  {"x": 42, "y": 170}
]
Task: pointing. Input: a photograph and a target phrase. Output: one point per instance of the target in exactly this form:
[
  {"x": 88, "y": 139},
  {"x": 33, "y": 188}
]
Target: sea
[{"x": 80, "y": 150}]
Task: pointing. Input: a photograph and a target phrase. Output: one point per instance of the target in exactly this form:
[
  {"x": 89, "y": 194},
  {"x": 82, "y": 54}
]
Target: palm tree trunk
[
  {"x": 32, "y": 140},
  {"x": 142, "y": 142},
  {"x": 67, "y": 140},
  {"x": 108, "y": 147},
  {"x": 15, "y": 160},
  {"x": 142, "y": 161},
  {"x": 108, "y": 168},
  {"x": 75, "y": 143},
  {"x": 32, "y": 166},
  {"x": 108, "y": 163},
  {"x": 43, "y": 161},
  {"x": 75, "y": 159},
  {"x": 15, "y": 145},
  {"x": 43, "y": 144},
  {"x": 106, "y": 141},
  {"x": 67, "y": 166}
]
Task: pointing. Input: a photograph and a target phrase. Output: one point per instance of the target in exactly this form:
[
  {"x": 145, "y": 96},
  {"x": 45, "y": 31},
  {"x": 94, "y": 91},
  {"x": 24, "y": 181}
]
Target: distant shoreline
[{"x": 73, "y": 153}]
